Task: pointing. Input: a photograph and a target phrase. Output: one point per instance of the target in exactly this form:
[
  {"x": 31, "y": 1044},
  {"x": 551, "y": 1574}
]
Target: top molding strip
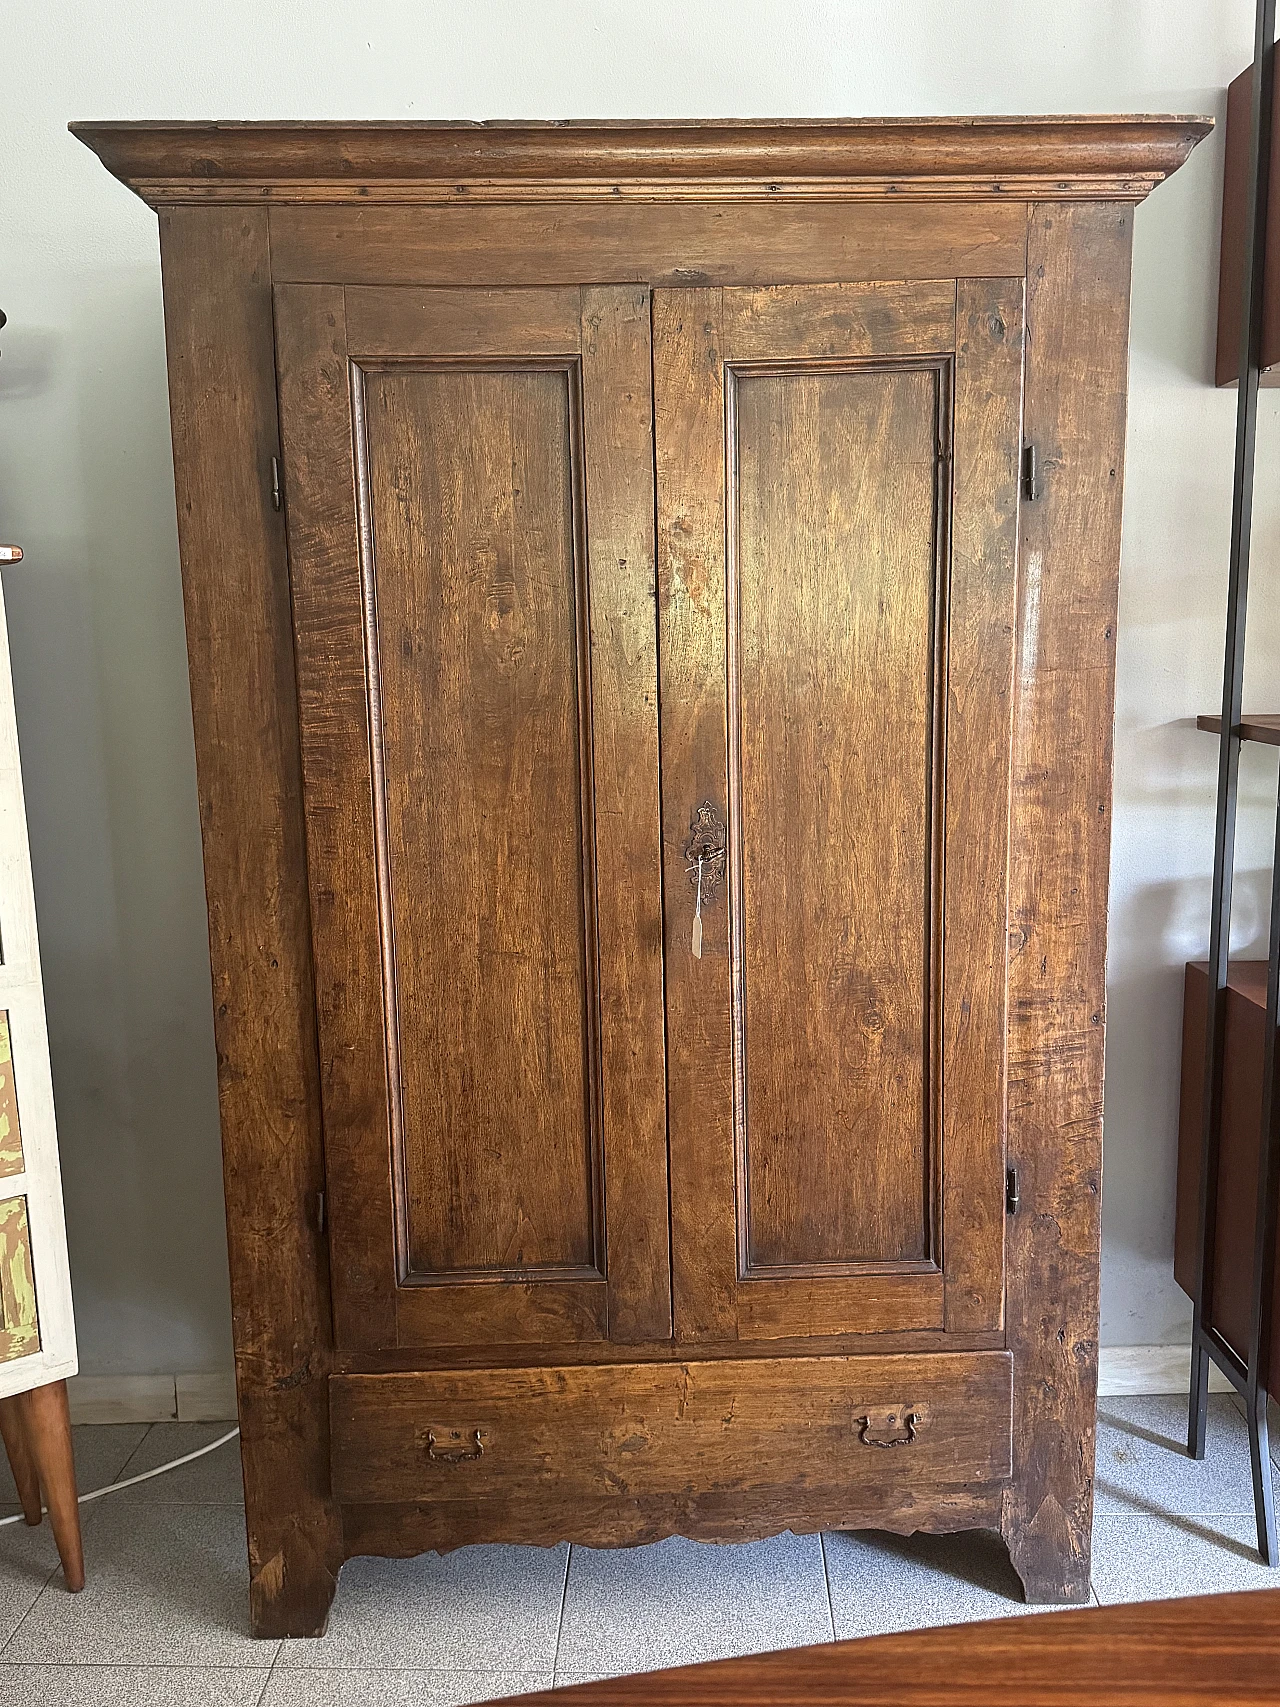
[{"x": 1075, "y": 157}]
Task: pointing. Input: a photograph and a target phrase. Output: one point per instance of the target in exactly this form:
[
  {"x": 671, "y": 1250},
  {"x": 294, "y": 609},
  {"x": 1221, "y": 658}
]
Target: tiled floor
[{"x": 162, "y": 1620}]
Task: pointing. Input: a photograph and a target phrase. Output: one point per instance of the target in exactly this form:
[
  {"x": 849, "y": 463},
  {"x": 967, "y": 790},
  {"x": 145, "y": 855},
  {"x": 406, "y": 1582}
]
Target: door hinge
[
  {"x": 319, "y": 1212},
  {"x": 1030, "y": 473},
  {"x": 1011, "y": 1199},
  {"x": 276, "y": 499}
]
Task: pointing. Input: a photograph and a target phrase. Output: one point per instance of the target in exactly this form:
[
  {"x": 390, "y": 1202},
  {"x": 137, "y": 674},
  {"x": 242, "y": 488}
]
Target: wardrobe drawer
[{"x": 652, "y": 1428}]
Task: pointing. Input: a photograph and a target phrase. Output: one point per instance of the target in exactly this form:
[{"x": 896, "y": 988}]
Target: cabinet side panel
[
  {"x": 1069, "y": 555},
  {"x": 235, "y": 584}
]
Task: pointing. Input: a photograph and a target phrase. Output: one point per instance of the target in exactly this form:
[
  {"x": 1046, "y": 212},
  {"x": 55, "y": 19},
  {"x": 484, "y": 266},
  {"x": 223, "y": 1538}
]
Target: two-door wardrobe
[{"x": 651, "y": 597}]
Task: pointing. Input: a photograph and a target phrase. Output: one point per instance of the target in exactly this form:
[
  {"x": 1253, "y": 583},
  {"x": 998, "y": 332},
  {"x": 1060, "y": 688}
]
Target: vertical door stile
[
  {"x": 690, "y": 451},
  {"x": 617, "y": 384},
  {"x": 979, "y": 730}
]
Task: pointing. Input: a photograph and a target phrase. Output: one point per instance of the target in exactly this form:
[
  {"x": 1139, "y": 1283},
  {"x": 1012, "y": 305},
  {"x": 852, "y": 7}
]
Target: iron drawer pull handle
[
  {"x": 455, "y": 1454},
  {"x": 910, "y": 1419}
]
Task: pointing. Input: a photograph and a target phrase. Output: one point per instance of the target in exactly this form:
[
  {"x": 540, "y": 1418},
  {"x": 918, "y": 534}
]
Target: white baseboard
[
  {"x": 1150, "y": 1369},
  {"x": 152, "y": 1398},
  {"x": 212, "y": 1398}
]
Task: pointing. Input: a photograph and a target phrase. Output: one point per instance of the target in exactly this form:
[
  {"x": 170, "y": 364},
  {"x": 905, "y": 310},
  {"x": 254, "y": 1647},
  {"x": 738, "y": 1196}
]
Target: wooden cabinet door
[
  {"x": 838, "y": 472},
  {"x": 469, "y": 493}
]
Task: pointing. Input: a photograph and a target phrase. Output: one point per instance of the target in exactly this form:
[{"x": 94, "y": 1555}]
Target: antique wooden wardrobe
[{"x": 650, "y": 593}]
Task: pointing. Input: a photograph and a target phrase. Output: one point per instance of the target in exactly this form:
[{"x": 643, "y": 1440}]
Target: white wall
[{"x": 86, "y": 487}]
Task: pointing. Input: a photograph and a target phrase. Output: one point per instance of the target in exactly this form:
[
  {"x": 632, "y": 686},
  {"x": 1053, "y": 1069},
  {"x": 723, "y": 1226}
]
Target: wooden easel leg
[
  {"x": 46, "y": 1423},
  {"x": 21, "y": 1462}
]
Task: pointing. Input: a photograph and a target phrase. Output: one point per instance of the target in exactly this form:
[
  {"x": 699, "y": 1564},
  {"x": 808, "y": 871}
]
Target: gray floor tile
[
  {"x": 211, "y": 1480},
  {"x": 1273, "y": 1424},
  {"x": 880, "y": 1582},
  {"x": 129, "y": 1686},
  {"x": 1143, "y": 1467},
  {"x": 28, "y": 1559},
  {"x": 166, "y": 1585},
  {"x": 477, "y": 1609},
  {"x": 361, "y": 1687},
  {"x": 1154, "y": 1558},
  {"x": 100, "y": 1448},
  {"x": 677, "y": 1602}
]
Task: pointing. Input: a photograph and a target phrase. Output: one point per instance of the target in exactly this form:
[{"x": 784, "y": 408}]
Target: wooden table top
[{"x": 1218, "y": 1647}]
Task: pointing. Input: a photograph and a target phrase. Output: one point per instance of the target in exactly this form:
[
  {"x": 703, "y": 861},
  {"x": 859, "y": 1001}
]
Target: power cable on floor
[{"x": 145, "y": 1476}]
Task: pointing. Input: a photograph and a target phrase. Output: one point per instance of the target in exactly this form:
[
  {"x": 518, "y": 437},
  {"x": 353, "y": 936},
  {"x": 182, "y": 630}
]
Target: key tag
[{"x": 697, "y": 917}]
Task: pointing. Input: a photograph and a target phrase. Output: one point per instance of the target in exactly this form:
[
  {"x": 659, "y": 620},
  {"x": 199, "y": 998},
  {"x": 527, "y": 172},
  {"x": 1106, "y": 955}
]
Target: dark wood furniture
[
  {"x": 1235, "y": 203},
  {"x": 655, "y": 775},
  {"x": 1237, "y": 1184},
  {"x": 1173, "y": 1653},
  {"x": 1245, "y": 268},
  {"x": 1257, "y": 726}
]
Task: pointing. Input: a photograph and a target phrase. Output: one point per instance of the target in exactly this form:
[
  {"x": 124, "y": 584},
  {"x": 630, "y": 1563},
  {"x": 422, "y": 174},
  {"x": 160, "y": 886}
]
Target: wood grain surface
[
  {"x": 1116, "y": 155},
  {"x": 833, "y": 569},
  {"x": 1175, "y": 1653},
  {"x": 982, "y": 607},
  {"x": 539, "y": 1516},
  {"x": 482, "y": 667},
  {"x": 444, "y": 510},
  {"x": 650, "y": 242},
  {"x": 455, "y": 1003},
  {"x": 788, "y": 1426},
  {"x": 1237, "y": 1194},
  {"x": 1060, "y": 841},
  {"x": 222, "y": 389},
  {"x": 805, "y": 688}
]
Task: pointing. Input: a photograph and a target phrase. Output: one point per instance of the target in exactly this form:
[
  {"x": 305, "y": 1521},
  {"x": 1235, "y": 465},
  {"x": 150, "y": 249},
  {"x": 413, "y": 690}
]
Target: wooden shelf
[{"x": 1265, "y": 727}]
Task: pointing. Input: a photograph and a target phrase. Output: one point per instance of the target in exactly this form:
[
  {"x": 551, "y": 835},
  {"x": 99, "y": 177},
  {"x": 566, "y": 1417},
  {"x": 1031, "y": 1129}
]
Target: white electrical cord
[{"x": 113, "y": 1487}]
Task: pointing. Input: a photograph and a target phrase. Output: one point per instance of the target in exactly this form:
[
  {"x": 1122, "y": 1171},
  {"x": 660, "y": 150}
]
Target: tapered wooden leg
[
  {"x": 46, "y": 1422},
  {"x": 21, "y": 1462}
]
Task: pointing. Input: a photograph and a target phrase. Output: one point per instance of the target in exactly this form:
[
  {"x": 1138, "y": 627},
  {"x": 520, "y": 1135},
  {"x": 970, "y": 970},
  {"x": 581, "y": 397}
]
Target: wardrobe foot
[{"x": 1053, "y": 1562}]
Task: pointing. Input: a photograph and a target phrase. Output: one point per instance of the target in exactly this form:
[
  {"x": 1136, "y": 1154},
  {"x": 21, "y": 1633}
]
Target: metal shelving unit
[{"x": 1248, "y": 1375}]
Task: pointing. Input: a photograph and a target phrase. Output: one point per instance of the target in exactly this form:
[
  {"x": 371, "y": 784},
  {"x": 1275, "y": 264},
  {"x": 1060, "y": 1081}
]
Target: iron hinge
[
  {"x": 1030, "y": 473},
  {"x": 1011, "y": 1199},
  {"x": 319, "y": 1212},
  {"x": 276, "y": 499}
]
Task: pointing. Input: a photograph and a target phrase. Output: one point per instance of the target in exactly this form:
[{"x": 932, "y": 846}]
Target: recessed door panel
[
  {"x": 834, "y": 553},
  {"x": 468, "y": 476},
  {"x": 482, "y": 685}
]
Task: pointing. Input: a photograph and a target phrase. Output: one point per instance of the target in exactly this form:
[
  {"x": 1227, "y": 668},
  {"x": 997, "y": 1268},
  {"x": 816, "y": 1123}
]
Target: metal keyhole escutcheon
[{"x": 704, "y": 852}]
